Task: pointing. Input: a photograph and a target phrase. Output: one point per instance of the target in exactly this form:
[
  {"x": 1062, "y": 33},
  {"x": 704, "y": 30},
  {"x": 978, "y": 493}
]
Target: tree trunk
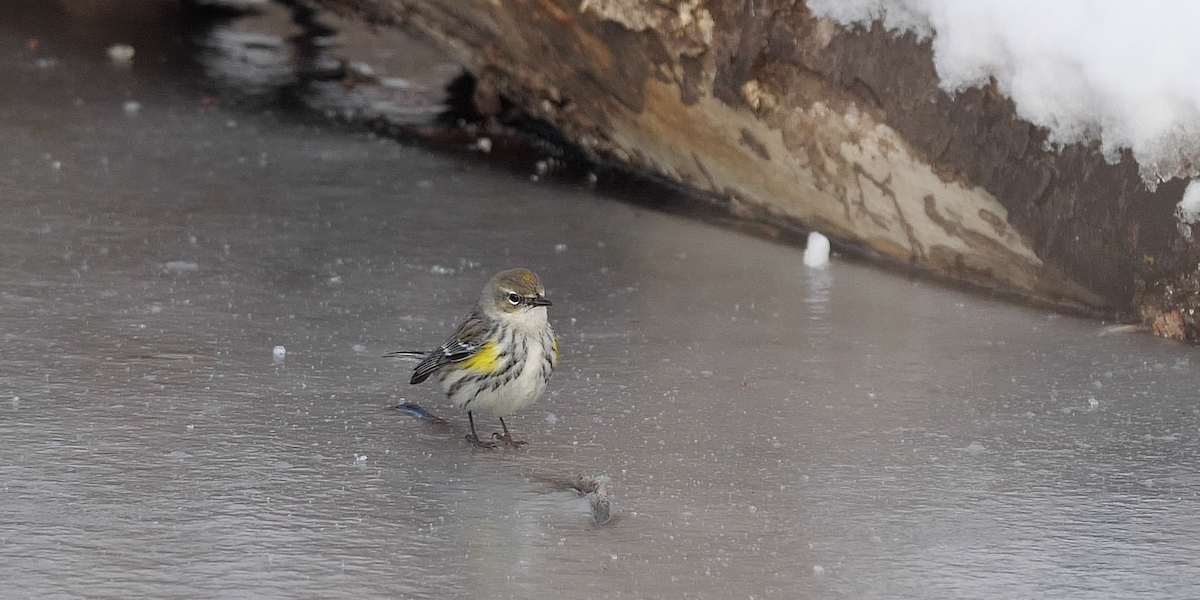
[{"x": 840, "y": 130}]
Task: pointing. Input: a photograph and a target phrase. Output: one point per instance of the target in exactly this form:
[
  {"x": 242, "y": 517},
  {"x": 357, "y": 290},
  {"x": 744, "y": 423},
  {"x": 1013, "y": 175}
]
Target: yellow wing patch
[
  {"x": 555, "y": 338},
  {"x": 486, "y": 360}
]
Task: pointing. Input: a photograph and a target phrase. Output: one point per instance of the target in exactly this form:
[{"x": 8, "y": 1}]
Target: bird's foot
[
  {"x": 478, "y": 443},
  {"x": 508, "y": 440}
]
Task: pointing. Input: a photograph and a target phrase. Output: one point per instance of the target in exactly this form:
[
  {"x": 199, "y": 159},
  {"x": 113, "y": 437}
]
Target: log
[{"x": 796, "y": 119}]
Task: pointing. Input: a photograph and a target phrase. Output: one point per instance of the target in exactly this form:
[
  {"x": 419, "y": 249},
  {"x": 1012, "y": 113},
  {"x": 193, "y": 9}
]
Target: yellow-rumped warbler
[{"x": 500, "y": 358}]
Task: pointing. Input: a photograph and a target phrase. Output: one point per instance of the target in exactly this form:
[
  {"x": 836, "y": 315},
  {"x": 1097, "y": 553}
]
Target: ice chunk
[
  {"x": 279, "y": 353},
  {"x": 132, "y": 108},
  {"x": 816, "y": 252}
]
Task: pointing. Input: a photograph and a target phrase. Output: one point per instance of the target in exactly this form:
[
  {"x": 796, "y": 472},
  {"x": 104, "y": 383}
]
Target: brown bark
[{"x": 840, "y": 130}]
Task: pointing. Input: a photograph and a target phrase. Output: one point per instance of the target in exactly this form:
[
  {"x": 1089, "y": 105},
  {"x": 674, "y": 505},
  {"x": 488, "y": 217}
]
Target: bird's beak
[{"x": 541, "y": 301}]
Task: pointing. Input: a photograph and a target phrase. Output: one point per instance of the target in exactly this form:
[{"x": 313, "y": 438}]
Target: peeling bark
[{"x": 840, "y": 130}]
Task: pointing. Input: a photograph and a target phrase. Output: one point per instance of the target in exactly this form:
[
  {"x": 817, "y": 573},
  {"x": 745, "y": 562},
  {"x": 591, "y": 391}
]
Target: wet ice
[{"x": 850, "y": 435}]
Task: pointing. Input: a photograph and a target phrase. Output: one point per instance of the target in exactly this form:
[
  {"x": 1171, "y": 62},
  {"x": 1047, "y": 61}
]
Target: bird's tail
[{"x": 407, "y": 354}]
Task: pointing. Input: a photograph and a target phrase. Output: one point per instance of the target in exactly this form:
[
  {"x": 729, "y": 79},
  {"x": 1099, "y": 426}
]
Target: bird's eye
[{"x": 513, "y": 298}]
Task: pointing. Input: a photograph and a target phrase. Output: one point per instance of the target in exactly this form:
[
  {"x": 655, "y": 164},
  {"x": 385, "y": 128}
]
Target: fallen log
[{"x": 794, "y": 119}]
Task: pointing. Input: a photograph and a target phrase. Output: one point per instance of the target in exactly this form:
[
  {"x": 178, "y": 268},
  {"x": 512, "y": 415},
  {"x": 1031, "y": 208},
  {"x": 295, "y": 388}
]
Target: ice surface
[
  {"x": 697, "y": 411},
  {"x": 1124, "y": 73}
]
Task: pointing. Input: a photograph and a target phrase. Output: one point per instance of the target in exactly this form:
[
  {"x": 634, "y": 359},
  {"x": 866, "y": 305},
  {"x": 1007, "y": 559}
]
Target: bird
[{"x": 500, "y": 358}]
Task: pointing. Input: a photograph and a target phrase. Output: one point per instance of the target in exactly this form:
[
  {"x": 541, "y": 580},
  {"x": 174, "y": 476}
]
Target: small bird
[{"x": 500, "y": 358}]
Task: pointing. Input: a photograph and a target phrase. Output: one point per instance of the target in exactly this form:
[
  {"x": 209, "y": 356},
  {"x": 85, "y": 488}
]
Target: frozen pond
[{"x": 769, "y": 431}]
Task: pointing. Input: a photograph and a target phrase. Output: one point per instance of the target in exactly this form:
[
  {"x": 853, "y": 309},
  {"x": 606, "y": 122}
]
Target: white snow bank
[{"x": 1123, "y": 72}]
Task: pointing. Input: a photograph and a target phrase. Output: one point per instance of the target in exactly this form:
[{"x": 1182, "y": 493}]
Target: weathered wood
[{"x": 840, "y": 130}]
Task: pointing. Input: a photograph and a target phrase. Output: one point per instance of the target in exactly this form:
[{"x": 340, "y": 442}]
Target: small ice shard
[
  {"x": 483, "y": 144},
  {"x": 551, "y": 418},
  {"x": 279, "y": 353},
  {"x": 359, "y": 348},
  {"x": 440, "y": 270},
  {"x": 182, "y": 265},
  {"x": 179, "y": 454},
  {"x": 560, "y": 247},
  {"x": 816, "y": 252},
  {"x": 120, "y": 53},
  {"x": 360, "y": 459},
  {"x": 975, "y": 448},
  {"x": 132, "y": 108},
  {"x": 818, "y": 570}
]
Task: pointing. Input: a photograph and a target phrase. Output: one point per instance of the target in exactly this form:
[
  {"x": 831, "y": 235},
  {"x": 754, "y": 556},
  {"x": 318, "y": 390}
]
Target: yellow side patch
[
  {"x": 555, "y": 349},
  {"x": 486, "y": 360}
]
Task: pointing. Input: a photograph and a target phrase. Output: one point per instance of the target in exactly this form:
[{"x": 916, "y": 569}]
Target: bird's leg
[
  {"x": 507, "y": 438},
  {"x": 474, "y": 438}
]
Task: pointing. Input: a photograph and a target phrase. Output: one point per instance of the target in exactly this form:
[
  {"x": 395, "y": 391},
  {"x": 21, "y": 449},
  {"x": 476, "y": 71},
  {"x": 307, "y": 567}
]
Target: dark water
[{"x": 767, "y": 430}]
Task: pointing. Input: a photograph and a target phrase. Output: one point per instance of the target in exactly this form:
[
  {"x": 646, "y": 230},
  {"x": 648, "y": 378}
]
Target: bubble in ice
[
  {"x": 440, "y": 270},
  {"x": 16, "y": 401},
  {"x": 279, "y": 353},
  {"x": 1093, "y": 402},
  {"x": 132, "y": 108},
  {"x": 975, "y": 448},
  {"x": 179, "y": 454},
  {"x": 560, "y": 247},
  {"x": 483, "y": 144},
  {"x": 359, "y": 348},
  {"x": 551, "y": 418},
  {"x": 180, "y": 266},
  {"x": 818, "y": 570},
  {"x": 120, "y": 53},
  {"x": 360, "y": 459}
]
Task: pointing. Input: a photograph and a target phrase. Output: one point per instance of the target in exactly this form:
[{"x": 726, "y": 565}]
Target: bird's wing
[{"x": 466, "y": 341}]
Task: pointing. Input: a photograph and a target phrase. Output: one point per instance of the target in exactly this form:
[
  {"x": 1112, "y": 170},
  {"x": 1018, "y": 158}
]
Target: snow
[
  {"x": 1122, "y": 73},
  {"x": 816, "y": 251},
  {"x": 1188, "y": 209}
]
